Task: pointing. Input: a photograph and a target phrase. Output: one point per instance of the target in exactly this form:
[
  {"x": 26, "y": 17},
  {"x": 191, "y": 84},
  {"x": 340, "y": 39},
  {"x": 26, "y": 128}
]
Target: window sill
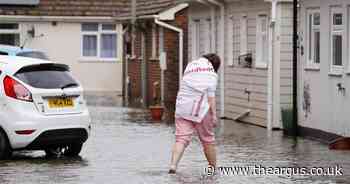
[
  {"x": 315, "y": 69},
  {"x": 261, "y": 66},
  {"x": 334, "y": 74},
  {"x": 98, "y": 60}
]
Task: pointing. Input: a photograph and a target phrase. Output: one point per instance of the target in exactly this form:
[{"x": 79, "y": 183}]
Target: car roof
[
  {"x": 11, "y": 64},
  {"x": 14, "y": 49}
]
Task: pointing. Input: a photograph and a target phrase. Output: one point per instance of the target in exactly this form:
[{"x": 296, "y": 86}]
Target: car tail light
[
  {"x": 24, "y": 132},
  {"x": 16, "y": 90}
]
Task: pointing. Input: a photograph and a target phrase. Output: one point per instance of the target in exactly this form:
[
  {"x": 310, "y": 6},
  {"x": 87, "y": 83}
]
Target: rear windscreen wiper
[{"x": 69, "y": 85}]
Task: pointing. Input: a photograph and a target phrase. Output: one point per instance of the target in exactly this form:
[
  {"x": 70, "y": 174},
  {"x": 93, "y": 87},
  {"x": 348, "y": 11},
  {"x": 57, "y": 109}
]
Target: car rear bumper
[
  {"x": 60, "y": 129},
  {"x": 60, "y": 137}
]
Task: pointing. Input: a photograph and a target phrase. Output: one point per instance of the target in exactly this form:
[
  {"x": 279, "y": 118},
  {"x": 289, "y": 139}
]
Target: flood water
[{"x": 125, "y": 147}]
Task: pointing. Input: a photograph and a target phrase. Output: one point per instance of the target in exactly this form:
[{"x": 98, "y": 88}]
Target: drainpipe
[
  {"x": 181, "y": 43},
  {"x": 222, "y": 55},
  {"x": 295, "y": 66},
  {"x": 270, "y": 66},
  {"x": 161, "y": 50},
  {"x": 125, "y": 72}
]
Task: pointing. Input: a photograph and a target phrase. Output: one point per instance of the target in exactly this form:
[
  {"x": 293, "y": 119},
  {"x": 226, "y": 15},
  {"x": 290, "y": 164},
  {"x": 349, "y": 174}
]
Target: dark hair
[{"x": 214, "y": 60}]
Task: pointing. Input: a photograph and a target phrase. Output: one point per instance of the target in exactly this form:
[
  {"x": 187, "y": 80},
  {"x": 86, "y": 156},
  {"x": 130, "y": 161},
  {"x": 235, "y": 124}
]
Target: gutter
[{"x": 25, "y": 18}]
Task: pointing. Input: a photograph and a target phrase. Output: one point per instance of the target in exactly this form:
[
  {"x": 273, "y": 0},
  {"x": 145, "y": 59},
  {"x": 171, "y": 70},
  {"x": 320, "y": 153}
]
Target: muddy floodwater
[{"x": 125, "y": 147}]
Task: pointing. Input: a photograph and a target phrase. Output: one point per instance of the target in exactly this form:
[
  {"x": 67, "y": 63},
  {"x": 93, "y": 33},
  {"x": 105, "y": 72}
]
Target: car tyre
[
  {"x": 5, "y": 149},
  {"x": 71, "y": 150},
  {"x": 74, "y": 149}
]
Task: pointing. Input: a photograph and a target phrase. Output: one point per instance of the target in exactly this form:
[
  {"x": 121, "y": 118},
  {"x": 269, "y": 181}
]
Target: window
[
  {"x": 231, "y": 41},
  {"x": 244, "y": 35},
  {"x": 313, "y": 38},
  {"x": 195, "y": 39},
  {"x": 99, "y": 41},
  {"x": 337, "y": 36},
  {"x": 46, "y": 76},
  {"x": 208, "y": 40},
  {"x": 262, "y": 41},
  {"x": 9, "y": 34}
]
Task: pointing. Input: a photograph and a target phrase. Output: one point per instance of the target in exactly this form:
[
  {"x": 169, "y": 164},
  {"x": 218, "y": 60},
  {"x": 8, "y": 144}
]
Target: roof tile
[{"x": 110, "y": 8}]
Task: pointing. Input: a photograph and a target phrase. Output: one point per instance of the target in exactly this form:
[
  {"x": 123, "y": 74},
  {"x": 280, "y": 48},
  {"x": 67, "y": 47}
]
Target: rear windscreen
[
  {"x": 38, "y": 55},
  {"x": 47, "y": 76}
]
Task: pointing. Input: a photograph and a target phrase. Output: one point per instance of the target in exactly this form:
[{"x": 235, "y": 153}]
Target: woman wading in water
[{"x": 195, "y": 108}]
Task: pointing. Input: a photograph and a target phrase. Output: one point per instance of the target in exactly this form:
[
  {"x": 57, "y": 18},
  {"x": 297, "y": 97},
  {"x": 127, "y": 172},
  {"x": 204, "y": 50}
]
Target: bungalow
[
  {"x": 82, "y": 34},
  {"x": 254, "y": 38},
  {"x": 324, "y": 75}
]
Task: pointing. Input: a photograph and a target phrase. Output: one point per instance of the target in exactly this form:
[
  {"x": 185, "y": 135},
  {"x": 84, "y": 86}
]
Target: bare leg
[
  {"x": 178, "y": 150},
  {"x": 210, "y": 154}
]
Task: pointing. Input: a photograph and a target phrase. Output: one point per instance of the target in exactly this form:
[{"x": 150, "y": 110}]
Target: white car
[{"x": 41, "y": 108}]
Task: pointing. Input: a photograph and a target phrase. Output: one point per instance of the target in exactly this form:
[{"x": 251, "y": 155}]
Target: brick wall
[{"x": 171, "y": 46}]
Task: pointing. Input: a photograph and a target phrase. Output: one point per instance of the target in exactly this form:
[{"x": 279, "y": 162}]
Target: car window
[
  {"x": 3, "y": 53},
  {"x": 47, "y": 76},
  {"x": 34, "y": 54}
]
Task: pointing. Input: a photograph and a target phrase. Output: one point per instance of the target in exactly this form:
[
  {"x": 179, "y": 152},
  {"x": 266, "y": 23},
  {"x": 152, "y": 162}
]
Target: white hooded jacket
[{"x": 199, "y": 82}]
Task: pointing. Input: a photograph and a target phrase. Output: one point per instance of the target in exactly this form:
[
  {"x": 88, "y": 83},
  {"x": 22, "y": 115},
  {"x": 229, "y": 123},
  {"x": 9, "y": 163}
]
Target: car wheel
[
  {"x": 73, "y": 149},
  {"x": 5, "y": 149},
  {"x": 70, "y": 150}
]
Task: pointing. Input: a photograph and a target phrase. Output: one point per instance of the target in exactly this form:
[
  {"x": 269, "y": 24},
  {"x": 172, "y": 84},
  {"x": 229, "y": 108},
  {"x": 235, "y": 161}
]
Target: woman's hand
[{"x": 215, "y": 120}]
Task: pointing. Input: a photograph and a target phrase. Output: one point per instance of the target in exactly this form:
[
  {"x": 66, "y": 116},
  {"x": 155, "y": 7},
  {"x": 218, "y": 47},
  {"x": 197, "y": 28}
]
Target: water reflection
[{"x": 125, "y": 147}]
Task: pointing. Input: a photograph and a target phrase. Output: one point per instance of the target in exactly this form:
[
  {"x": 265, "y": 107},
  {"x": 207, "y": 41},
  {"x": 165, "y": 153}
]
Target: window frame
[
  {"x": 195, "y": 39},
  {"x": 340, "y": 31},
  {"x": 99, "y": 33},
  {"x": 260, "y": 61},
  {"x": 208, "y": 40},
  {"x": 312, "y": 29},
  {"x": 232, "y": 41},
  {"x": 243, "y": 36}
]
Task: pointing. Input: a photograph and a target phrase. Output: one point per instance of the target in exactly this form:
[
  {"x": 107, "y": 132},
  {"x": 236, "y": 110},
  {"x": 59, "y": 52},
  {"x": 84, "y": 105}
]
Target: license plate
[{"x": 60, "y": 102}]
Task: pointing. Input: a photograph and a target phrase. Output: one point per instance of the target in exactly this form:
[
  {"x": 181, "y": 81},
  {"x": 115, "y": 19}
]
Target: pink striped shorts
[{"x": 186, "y": 128}]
